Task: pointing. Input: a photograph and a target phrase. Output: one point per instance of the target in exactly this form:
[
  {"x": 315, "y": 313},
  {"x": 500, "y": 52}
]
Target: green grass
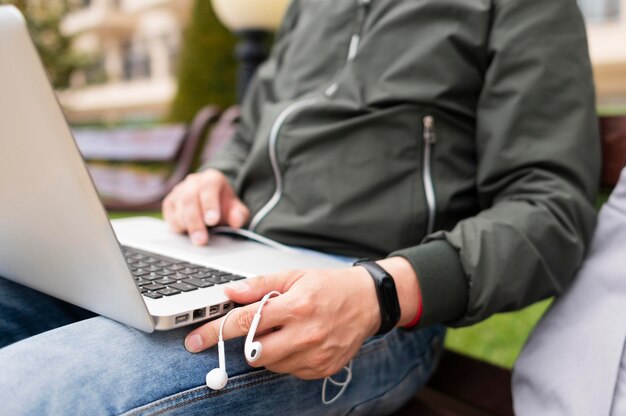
[
  {"x": 499, "y": 339},
  {"x": 612, "y": 110},
  {"x": 118, "y": 215}
]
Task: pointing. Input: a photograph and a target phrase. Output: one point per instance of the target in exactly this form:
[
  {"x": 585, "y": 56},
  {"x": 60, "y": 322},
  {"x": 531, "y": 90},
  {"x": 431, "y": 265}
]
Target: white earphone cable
[
  {"x": 221, "y": 338},
  {"x": 342, "y": 384}
]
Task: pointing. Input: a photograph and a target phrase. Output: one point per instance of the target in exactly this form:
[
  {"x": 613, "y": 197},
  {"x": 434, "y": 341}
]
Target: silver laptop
[{"x": 55, "y": 236}]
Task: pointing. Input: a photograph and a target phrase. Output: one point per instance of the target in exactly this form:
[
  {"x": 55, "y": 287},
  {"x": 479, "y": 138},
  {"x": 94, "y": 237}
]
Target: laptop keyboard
[{"x": 157, "y": 276}]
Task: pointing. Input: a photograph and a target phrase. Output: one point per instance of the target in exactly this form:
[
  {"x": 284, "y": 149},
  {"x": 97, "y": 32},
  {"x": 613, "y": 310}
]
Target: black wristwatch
[{"x": 387, "y": 295}]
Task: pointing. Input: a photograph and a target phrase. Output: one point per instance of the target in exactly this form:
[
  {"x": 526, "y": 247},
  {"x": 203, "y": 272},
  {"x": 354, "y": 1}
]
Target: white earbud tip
[
  {"x": 253, "y": 353},
  {"x": 216, "y": 379}
]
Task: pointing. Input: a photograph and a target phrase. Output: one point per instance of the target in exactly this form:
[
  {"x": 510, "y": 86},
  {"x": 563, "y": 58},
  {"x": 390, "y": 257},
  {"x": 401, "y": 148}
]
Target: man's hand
[
  {"x": 201, "y": 200},
  {"x": 318, "y": 323}
]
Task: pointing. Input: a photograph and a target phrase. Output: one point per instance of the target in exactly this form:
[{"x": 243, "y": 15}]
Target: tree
[
  {"x": 44, "y": 21},
  {"x": 207, "y": 66}
]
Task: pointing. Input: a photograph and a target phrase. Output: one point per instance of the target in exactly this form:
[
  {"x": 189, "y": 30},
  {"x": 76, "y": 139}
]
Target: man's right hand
[{"x": 203, "y": 199}]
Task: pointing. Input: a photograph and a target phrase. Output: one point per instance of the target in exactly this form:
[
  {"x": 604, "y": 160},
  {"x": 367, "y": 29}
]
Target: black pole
[{"x": 250, "y": 51}]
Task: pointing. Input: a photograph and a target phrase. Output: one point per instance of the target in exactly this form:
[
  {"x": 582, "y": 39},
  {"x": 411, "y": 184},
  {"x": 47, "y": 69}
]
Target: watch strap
[{"x": 386, "y": 293}]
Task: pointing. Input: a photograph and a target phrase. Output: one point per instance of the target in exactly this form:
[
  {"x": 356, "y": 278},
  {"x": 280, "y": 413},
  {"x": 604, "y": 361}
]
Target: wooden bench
[{"x": 170, "y": 152}]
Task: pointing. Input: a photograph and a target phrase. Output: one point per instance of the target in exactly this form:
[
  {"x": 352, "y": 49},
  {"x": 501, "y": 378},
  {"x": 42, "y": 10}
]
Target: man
[{"x": 454, "y": 140}]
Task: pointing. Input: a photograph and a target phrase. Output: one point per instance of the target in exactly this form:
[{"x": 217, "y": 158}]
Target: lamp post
[{"x": 252, "y": 21}]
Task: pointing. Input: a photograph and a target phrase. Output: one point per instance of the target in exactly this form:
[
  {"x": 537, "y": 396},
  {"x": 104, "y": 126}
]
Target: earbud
[
  {"x": 252, "y": 349},
  {"x": 216, "y": 379}
]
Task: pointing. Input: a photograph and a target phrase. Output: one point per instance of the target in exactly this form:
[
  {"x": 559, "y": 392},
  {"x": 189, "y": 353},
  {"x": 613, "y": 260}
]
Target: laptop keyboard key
[
  {"x": 169, "y": 291},
  {"x": 235, "y": 277},
  {"x": 154, "y": 286},
  {"x": 167, "y": 280},
  {"x": 197, "y": 282},
  {"x": 153, "y": 295},
  {"x": 184, "y": 287},
  {"x": 215, "y": 280},
  {"x": 177, "y": 267},
  {"x": 151, "y": 260}
]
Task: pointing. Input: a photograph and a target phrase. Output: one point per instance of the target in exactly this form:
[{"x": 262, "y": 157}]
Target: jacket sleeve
[
  {"x": 538, "y": 157},
  {"x": 235, "y": 152}
]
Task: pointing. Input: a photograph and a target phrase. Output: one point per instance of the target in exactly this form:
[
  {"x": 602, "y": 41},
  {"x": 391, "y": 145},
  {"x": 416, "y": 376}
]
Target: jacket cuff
[{"x": 441, "y": 279}]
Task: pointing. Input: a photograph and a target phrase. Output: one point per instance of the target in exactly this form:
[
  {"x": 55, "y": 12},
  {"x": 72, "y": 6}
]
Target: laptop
[{"x": 55, "y": 236}]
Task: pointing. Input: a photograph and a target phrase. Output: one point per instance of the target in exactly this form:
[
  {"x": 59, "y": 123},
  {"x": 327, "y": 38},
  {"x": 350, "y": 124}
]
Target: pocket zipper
[{"x": 430, "y": 138}]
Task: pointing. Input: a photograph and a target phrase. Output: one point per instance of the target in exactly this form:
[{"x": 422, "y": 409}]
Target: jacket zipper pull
[
  {"x": 429, "y": 130},
  {"x": 355, "y": 40}
]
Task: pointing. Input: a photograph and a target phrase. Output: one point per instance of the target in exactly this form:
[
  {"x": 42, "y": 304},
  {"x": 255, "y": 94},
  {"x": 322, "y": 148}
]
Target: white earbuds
[
  {"x": 252, "y": 349},
  {"x": 217, "y": 378}
]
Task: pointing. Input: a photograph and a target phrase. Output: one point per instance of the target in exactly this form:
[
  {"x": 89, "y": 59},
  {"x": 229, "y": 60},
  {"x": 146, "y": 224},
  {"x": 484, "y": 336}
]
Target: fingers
[
  {"x": 189, "y": 208},
  {"x": 237, "y": 325},
  {"x": 236, "y": 214},
  {"x": 251, "y": 290},
  {"x": 289, "y": 351},
  {"x": 169, "y": 214},
  {"x": 203, "y": 199}
]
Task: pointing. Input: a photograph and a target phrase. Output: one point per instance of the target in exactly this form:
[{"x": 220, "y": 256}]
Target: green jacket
[{"x": 459, "y": 134}]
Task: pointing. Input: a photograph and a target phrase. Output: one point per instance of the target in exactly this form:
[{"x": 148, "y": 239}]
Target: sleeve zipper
[{"x": 430, "y": 138}]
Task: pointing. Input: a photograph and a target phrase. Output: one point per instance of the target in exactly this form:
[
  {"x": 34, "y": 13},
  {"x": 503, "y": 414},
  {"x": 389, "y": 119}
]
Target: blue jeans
[{"x": 58, "y": 359}]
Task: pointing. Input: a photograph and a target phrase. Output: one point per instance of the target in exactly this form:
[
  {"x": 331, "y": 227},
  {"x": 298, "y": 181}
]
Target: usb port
[
  {"x": 227, "y": 306},
  {"x": 213, "y": 310},
  {"x": 181, "y": 318}
]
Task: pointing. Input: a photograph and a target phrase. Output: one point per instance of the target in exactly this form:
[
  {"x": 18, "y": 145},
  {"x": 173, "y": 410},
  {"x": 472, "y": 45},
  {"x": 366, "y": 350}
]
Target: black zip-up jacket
[{"x": 459, "y": 134}]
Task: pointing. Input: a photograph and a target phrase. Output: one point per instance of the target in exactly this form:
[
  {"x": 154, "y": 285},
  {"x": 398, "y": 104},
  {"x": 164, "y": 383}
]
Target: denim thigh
[
  {"x": 25, "y": 312},
  {"x": 100, "y": 367}
]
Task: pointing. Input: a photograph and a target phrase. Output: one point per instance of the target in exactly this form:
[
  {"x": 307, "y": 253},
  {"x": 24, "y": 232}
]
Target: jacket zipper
[
  {"x": 295, "y": 107},
  {"x": 355, "y": 40},
  {"x": 430, "y": 138},
  {"x": 274, "y": 132}
]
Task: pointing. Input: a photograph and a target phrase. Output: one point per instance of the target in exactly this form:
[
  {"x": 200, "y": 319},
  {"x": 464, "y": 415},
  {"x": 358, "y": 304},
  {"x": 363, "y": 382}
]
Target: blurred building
[
  {"x": 135, "y": 46},
  {"x": 606, "y": 27}
]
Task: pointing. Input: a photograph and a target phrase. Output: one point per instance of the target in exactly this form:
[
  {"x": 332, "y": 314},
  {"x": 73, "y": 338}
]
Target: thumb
[{"x": 251, "y": 290}]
